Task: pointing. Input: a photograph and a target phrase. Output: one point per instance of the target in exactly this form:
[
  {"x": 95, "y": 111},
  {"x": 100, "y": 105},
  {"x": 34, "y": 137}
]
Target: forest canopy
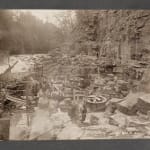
[{"x": 24, "y": 33}]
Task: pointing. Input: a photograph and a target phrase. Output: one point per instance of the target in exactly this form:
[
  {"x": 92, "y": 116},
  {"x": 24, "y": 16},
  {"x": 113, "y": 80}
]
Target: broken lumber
[{"x": 16, "y": 100}]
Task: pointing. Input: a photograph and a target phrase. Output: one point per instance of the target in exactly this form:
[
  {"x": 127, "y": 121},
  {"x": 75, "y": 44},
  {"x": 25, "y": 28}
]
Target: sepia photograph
[{"x": 74, "y": 74}]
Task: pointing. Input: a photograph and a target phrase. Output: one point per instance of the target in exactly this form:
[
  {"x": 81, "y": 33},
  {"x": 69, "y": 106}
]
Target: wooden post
[{"x": 27, "y": 104}]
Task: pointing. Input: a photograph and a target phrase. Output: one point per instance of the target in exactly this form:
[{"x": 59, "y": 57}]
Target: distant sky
[{"x": 50, "y": 15}]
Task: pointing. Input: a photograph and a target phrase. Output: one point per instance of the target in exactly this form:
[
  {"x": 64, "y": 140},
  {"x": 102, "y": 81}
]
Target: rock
[
  {"x": 112, "y": 105},
  {"x": 124, "y": 93},
  {"x": 129, "y": 104},
  {"x": 145, "y": 82},
  {"x": 111, "y": 83},
  {"x": 113, "y": 122},
  {"x": 110, "y": 109},
  {"x": 115, "y": 100},
  {"x": 142, "y": 116},
  {"x": 121, "y": 82},
  {"x": 138, "y": 123},
  {"x": 107, "y": 89},
  {"x": 148, "y": 113},
  {"x": 99, "y": 81},
  {"x": 144, "y": 103},
  {"x": 122, "y": 87},
  {"x": 139, "y": 136},
  {"x": 94, "y": 120},
  {"x": 118, "y": 119},
  {"x": 70, "y": 132},
  {"x": 131, "y": 130}
]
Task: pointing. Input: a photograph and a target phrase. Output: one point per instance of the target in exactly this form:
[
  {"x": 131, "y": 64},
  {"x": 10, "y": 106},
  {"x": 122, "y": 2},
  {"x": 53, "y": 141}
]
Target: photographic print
[{"x": 74, "y": 74}]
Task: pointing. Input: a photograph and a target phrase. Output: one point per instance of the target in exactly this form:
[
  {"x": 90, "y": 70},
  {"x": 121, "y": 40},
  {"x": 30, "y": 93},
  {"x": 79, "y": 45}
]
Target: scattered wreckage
[
  {"x": 14, "y": 95},
  {"x": 107, "y": 94}
]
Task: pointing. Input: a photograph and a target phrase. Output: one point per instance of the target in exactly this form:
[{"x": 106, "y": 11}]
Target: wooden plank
[{"x": 16, "y": 100}]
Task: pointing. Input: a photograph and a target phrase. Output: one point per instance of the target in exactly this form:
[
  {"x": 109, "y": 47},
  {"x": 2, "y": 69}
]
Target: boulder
[
  {"x": 129, "y": 104},
  {"x": 118, "y": 119},
  {"x": 112, "y": 105},
  {"x": 115, "y": 101},
  {"x": 94, "y": 120},
  {"x": 144, "y": 104},
  {"x": 70, "y": 132},
  {"x": 111, "y": 83},
  {"x": 131, "y": 130},
  {"x": 145, "y": 82}
]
